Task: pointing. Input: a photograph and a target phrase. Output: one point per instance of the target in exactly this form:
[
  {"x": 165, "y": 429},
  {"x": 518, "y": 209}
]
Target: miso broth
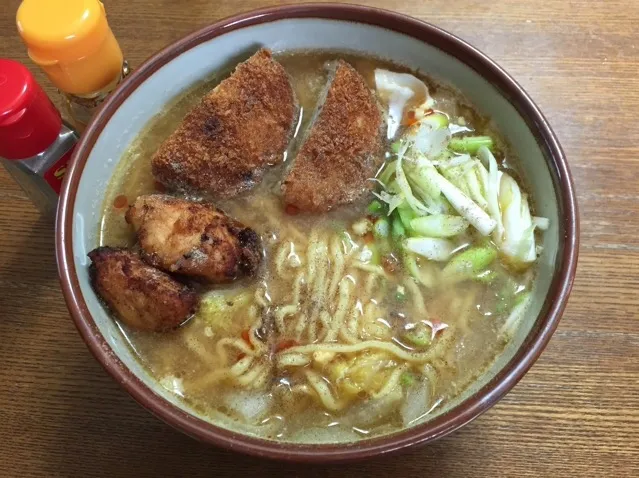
[{"x": 328, "y": 342}]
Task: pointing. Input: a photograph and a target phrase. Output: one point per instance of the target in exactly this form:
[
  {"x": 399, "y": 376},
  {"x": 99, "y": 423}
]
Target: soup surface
[{"x": 338, "y": 337}]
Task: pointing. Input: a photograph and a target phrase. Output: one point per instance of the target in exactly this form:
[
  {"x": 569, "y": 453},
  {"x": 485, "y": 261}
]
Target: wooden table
[{"x": 576, "y": 413}]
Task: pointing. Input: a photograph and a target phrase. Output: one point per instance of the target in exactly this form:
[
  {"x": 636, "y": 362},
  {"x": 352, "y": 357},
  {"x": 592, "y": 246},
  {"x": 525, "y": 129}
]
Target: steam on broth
[{"x": 365, "y": 319}]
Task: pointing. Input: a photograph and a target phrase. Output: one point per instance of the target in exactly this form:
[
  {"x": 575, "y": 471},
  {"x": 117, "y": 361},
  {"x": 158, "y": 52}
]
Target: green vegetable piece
[
  {"x": 470, "y": 144},
  {"x": 381, "y": 228},
  {"x": 376, "y": 259},
  {"x": 507, "y": 290},
  {"x": 436, "y": 120},
  {"x": 396, "y": 146},
  {"x": 394, "y": 188},
  {"x": 407, "y": 379},
  {"x": 218, "y": 310},
  {"x": 420, "y": 336},
  {"x": 406, "y": 215},
  {"x": 400, "y": 293},
  {"x": 469, "y": 263},
  {"x": 520, "y": 297},
  {"x": 486, "y": 277},
  {"x": 387, "y": 173},
  {"x": 440, "y": 225},
  {"x": 371, "y": 254},
  {"x": 423, "y": 177},
  {"x": 381, "y": 232},
  {"x": 375, "y": 207},
  {"x": 410, "y": 264},
  {"x": 398, "y": 231}
]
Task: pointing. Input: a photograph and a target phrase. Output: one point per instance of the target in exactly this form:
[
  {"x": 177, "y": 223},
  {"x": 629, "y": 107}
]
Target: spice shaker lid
[
  {"x": 72, "y": 42},
  {"x": 29, "y": 122}
]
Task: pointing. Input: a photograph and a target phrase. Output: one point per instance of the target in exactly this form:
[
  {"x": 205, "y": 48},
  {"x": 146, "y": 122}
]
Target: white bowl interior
[{"x": 202, "y": 61}]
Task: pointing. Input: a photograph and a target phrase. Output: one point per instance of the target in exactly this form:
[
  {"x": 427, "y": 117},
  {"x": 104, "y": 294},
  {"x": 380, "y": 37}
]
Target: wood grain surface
[{"x": 576, "y": 413}]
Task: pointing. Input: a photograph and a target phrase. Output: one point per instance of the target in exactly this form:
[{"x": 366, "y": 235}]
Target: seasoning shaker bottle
[
  {"x": 72, "y": 42},
  {"x": 35, "y": 144}
]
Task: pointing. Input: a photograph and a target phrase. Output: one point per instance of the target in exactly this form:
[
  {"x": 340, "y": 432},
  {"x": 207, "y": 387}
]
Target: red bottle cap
[{"x": 29, "y": 123}]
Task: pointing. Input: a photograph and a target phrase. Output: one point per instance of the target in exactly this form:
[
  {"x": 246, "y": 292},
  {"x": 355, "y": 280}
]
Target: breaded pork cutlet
[
  {"x": 194, "y": 239},
  {"x": 140, "y": 295},
  {"x": 342, "y": 150},
  {"x": 224, "y": 144}
]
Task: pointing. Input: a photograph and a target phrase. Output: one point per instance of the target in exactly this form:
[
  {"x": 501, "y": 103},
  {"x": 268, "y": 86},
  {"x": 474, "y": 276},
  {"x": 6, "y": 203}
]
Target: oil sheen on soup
[{"x": 368, "y": 318}]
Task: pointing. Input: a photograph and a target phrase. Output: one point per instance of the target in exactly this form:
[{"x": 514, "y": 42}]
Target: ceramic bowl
[{"x": 317, "y": 27}]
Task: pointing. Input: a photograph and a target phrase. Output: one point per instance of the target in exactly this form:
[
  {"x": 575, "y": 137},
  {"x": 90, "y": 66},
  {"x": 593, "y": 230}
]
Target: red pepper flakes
[
  {"x": 285, "y": 344},
  {"x": 369, "y": 238},
  {"x": 409, "y": 118},
  {"x": 246, "y": 336},
  {"x": 120, "y": 202},
  {"x": 291, "y": 210}
]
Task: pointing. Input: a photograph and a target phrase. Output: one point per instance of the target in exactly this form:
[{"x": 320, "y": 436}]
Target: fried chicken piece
[
  {"x": 194, "y": 239},
  {"x": 343, "y": 148},
  {"x": 241, "y": 127},
  {"x": 141, "y": 296}
]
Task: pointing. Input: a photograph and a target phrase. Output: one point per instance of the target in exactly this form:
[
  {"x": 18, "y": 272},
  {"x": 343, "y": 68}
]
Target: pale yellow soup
[{"x": 313, "y": 349}]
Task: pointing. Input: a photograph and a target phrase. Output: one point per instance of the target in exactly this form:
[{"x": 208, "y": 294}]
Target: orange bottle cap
[{"x": 69, "y": 38}]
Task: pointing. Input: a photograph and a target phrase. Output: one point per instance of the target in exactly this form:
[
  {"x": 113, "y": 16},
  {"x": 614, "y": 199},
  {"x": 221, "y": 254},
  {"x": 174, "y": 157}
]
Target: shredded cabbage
[
  {"x": 491, "y": 187},
  {"x": 429, "y": 140},
  {"x": 466, "y": 207},
  {"x": 393, "y": 200},
  {"x": 442, "y": 185},
  {"x": 402, "y": 182}
]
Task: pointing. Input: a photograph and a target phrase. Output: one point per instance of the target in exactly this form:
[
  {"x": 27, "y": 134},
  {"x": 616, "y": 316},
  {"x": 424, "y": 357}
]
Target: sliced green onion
[
  {"x": 419, "y": 336},
  {"x": 439, "y": 225},
  {"x": 407, "y": 379},
  {"x": 422, "y": 176},
  {"x": 433, "y": 249},
  {"x": 396, "y": 146},
  {"x": 387, "y": 173},
  {"x": 486, "y": 277},
  {"x": 516, "y": 315},
  {"x": 375, "y": 207},
  {"x": 381, "y": 228},
  {"x": 436, "y": 120},
  {"x": 370, "y": 254},
  {"x": 469, "y": 263},
  {"x": 406, "y": 215},
  {"x": 470, "y": 144},
  {"x": 421, "y": 276},
  {"x": 466, "y": 207},
  {"x": 520, "y": 297},
  {"x": 398, "y": 231}
]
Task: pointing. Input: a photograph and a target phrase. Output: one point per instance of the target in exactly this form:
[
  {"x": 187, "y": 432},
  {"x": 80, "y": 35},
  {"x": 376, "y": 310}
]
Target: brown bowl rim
[{"x": 462, "y": 414}]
